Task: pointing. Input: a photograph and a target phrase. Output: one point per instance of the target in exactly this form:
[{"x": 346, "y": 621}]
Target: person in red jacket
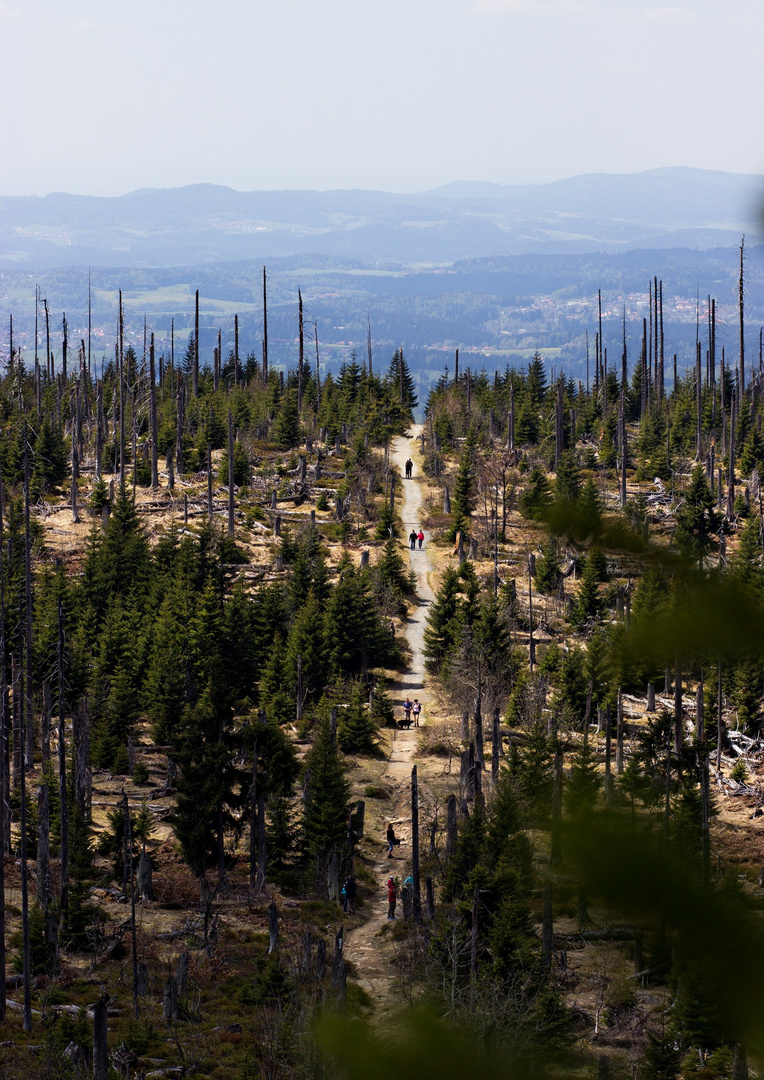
[
  {"x": 420, "y": 538},
  {"x": 392, "y": 896}
]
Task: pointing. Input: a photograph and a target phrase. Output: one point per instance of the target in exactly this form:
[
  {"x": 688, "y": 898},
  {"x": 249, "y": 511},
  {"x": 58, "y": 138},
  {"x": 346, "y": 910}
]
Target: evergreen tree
[
  {"x": 752, "y": 456},
  {"x": 50, "y": 461},
  {"x": 241, "y": 467},
  {"x": 401, "y": 387},
  {"x": 462, "y": 503},
  {"x": 697, "y": 521},
  {"x": 357, "y": 731},
  {"x": 587, "y": 604},
  {"x": 536, "y": 498},
  {"x": 567, "y": 482},
  {"x": 307, "y": 640},
  {"x": 536, "y": 386},
  {"x": 548, "y": 568},
  {"x": 326, "y": 802},
  {"x": 286, "y": 429},
  {"x": 440, "y": 632}
]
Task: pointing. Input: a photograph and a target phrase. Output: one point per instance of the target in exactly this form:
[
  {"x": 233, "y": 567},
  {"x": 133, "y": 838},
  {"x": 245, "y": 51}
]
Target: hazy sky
[{"x": 101, "y": 98}]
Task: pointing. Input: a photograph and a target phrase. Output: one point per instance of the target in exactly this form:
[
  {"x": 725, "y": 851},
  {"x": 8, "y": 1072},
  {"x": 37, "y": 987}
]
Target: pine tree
[
  {"x": 535, "y": 500},
  {"x": 277, "y": 689},
  {"x": 536, "y": 385},
  {"x": 50, "y": 460},
  {"x": 401, "y": 386},
  {"x": 165, "y": 689},
  {"x": 307, "y": 641},
  {"x": 752, "y": 456},
  {"x": 357, "y": 731},
  {"x": 583, "y": 785},
  {"x": 587, "y": 604},
  {"x": 286, "y": 429},
  {"x": 697, "y": 521},
  {"x": 326, "y": 802},
  {"x": 393, "y": 583},
  {"x": 440, "y": 632},
  {"x": 241, "y": 467},
  {"x": 387, "y": 527},
  {"x": 462, "y": 503},
  {"x": 567, "y": 482},
  {"x": 548, "y": 568}
]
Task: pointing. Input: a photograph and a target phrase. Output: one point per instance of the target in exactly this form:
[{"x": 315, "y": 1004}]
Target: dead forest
[{"x": 207, "y": 615}]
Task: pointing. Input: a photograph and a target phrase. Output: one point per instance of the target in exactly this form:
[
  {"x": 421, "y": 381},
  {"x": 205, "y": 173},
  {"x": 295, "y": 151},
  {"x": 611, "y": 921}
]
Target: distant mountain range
[{"x": 203, "y": 223}]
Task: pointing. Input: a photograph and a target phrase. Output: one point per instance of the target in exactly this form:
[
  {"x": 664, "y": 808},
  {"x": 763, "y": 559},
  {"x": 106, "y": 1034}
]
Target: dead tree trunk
[
  {"x": 678, "y": 721},
  {"x": 43, "y": 847},
  {"x": 273, "y": 927},
  {"x": 479, "y": 756},
  {"x": 608, "y": 755},
  {"x": 556, "y": 845},
  {"x": 451, "y": 827},
  {"x": 62, "y": 789},
  {"x": 253, "y": 822},
  {"x": 4, "y": 782},
  {"x": 196, "y": 345},
  {"x": 495, "y": 744},
  {"x": 100, "y": 1040},
  {"x": 265, "y": 329},
  {"x": 547, "y": 930},
  {"x": 700, "y": 724},
  {"x": 153, "y": 418},
  {"x": 231, "y": 488},
  {"x": 415, "y": 846},
  {"x": 619, "y": 736},
  {"x": 180, "y": 424}
]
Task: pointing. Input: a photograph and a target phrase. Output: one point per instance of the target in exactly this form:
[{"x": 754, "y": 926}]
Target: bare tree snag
[
  {"x": 273, "y": 927},
  {"x": 495, "y": 744},
  {"x": 196, "y": 345},
  {"x": 415, "y": 845},
  {"x": 153, "y": 417},
  {"x": 547, "y": 930},
  {"x": 451, "y": 827},
  {"x": 62, "y": 788},
  {"x": 556, "y": 837},
  {"x": 231, "y": 488},
  {"x": 100, "y": 1040}
]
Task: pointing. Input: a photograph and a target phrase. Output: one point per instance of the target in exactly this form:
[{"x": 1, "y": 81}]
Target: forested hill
[{"x": 205, "y": 224}]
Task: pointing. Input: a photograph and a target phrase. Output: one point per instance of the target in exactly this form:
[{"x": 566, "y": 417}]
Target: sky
[{"x": 101, "y": 99}]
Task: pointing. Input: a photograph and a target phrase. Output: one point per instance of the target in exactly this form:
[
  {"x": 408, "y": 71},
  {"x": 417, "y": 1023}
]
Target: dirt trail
[{"x": 365, "y": 947}]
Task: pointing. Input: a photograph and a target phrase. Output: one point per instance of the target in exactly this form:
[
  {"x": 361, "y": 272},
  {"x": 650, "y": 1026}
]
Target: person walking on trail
[
  {"x": 392, "y": 896},
  {"x": 407, "y": 713},
  {"x": 350, "y": 889},
  {"x": 416, "y": 708},
  {"x": 409, "y": 468},
  {"x": 413, "y": 539},
  {"x": 391, "y": 840},
  {"x": 420, "y": 538}
]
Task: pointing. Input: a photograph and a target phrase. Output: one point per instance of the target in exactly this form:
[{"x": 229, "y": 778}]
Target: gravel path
[{"x": 364, "y": 946}]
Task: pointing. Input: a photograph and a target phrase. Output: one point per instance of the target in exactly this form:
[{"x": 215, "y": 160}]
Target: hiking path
[{"x": 370, "y": 952}]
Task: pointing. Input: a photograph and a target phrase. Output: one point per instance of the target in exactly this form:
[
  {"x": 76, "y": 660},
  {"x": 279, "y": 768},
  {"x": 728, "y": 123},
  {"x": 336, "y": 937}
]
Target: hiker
[
  {"x": 350, "y": 889},
  {"x": 392, "y": 896},
  {"x": 409, "y": 468},
  {"x": 420, "y": 538},
  {"x": 391, "y": 840},
  {"x": 407, "y": 897},
  {"x": 407, "y": 713},
  {"x": 416, "y": 708},
  {"x": 412, "y": 539}
]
